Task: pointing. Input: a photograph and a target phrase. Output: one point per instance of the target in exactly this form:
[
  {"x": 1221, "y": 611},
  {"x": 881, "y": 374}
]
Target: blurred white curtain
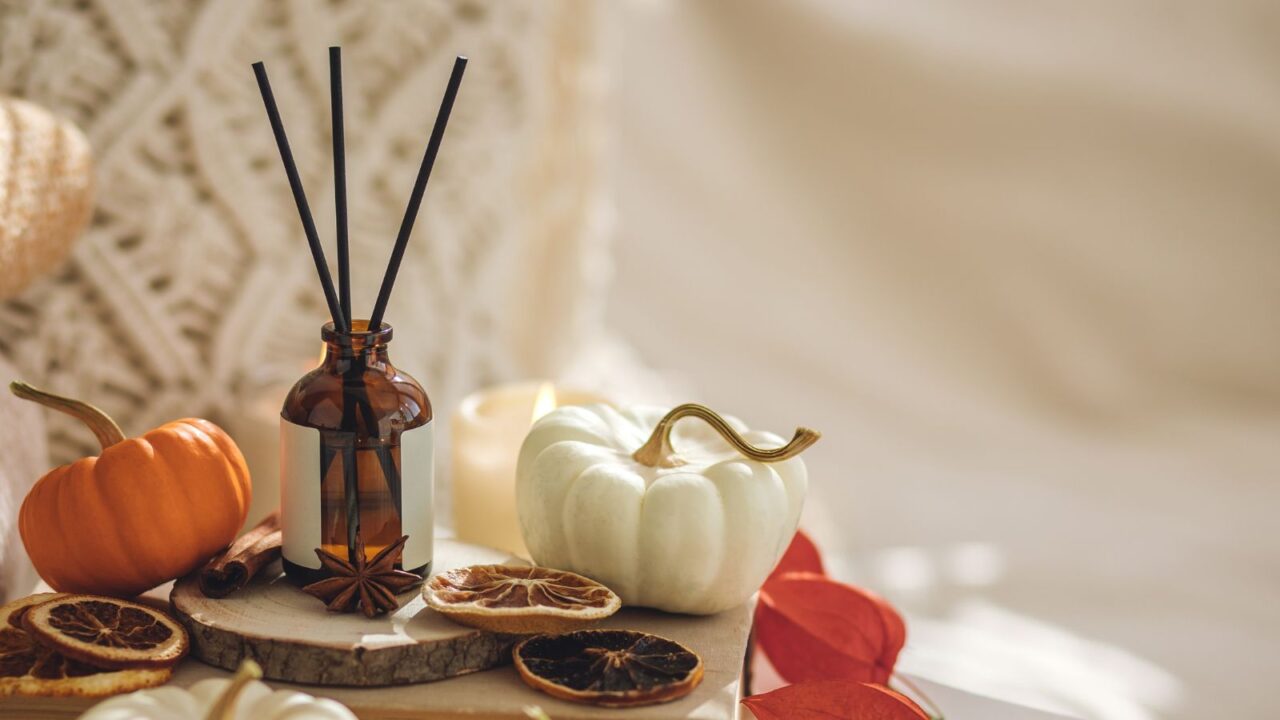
[
  {"x": 1020, "y": 262},
  {"x": 1065, "y": 208},
  {"x": 23, "y": 459}
]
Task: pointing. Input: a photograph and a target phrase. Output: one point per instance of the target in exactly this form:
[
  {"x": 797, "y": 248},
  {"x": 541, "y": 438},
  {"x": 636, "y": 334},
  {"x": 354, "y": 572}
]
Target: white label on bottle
[
  {"x": 417, "y": 473},
  {"x": 300, "y": 493}
]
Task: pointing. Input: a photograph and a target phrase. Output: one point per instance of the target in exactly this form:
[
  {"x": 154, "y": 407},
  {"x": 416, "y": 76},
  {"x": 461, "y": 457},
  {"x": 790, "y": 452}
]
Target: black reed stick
[
  {"x": 390, "y": 472},
  {"x": 340, "y": 182},
  {"x": 299, "y": 196},
  {"x": 419, "y": 188},
  {"x": 350, "y": 472}
]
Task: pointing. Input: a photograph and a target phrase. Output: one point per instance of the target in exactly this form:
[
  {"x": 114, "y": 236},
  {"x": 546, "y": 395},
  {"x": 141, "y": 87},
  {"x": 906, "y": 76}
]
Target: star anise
[{"x": 369, "y": 586}]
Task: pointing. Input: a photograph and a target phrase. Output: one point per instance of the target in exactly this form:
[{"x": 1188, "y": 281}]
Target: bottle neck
[
  {"x": 341, "y": 359},
  {"x": 357, "y": 350}
]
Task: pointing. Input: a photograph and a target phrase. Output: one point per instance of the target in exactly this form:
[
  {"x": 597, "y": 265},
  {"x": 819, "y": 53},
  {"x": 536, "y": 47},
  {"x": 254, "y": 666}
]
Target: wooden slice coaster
[{"x": 293, "y": 637}]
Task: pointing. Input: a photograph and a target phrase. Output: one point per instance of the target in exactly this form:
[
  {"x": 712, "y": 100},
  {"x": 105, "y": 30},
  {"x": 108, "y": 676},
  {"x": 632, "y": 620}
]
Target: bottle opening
[{"x": 360, "y": 335}]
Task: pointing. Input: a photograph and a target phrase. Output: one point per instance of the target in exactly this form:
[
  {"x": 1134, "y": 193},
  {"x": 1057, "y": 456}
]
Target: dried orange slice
[
  {"x": 18, "y": 608},
  {"x": 519, "y": 599},
  {"x": 107, "y": 633},
  {"x": 29, "y": 668},
  {"x": 610, "y": 668}
]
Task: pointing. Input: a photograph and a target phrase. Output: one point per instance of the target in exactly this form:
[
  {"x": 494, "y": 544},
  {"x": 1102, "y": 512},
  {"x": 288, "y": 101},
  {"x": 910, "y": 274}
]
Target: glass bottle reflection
[{"x": 361, "y": 405}]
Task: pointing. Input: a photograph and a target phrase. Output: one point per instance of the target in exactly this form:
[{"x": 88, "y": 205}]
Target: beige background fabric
[
  {"x": 1021, "y": 264},
  {"x": 22, "y": 462}
]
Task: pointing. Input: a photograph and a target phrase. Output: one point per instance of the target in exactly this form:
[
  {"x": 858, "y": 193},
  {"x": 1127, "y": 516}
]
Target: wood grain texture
[
  {"x": 295, "y": 639},
  {"x": 497, "y": 694}
]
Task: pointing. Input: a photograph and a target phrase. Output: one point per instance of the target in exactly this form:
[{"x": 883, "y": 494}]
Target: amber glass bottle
[{"x": 356, "y": 456}]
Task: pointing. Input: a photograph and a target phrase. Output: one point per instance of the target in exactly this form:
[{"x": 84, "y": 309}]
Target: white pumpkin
[
  {"x": 239, "y": 698},
  {"x": 686, "y": 518},
  {"x": 46, "y": 192}
]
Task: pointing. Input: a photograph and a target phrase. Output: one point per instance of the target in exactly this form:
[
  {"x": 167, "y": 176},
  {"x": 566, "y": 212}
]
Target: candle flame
[{"x": 545, "y": 401}]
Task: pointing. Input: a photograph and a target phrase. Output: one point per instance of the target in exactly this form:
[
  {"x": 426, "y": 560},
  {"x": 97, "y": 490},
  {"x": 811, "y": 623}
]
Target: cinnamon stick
[{"x": 237, "y": 565}]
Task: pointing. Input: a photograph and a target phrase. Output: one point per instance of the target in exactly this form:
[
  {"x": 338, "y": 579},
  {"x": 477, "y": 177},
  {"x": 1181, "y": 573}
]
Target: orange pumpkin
[{"x": 147, "y": 510}]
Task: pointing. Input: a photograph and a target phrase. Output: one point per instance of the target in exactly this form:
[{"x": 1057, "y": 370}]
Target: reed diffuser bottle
[
  {"x": 355, "y": 433},
  {"x": 356, "y": 456}
]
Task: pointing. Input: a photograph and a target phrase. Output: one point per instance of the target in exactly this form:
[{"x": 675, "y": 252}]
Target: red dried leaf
[
  {"x": 801, "y": 556},
  {"x": 829, "y": 699},
  {"x": 813, "y": 628}
]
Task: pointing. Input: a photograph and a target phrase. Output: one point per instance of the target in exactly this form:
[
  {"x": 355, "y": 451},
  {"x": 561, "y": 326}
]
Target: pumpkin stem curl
[
  {"x": 224, "y": 708},
  {"x": 657, "y": 451},
  {"x": 103, "y": 427}
]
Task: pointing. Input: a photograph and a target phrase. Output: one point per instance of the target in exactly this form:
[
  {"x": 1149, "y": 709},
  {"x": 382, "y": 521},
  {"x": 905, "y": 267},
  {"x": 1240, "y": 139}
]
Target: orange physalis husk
[
  {"x": 823, "y": 700},
  {"x": 801, "y": 556},
  {"x": 813, "y": 628}
]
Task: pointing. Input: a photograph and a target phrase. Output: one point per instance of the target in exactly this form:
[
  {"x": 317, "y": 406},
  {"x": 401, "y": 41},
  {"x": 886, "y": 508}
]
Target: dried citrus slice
[
  {"x": 108, "y": 633},
  {"x": 610, "y": 668},
  {"x": 519, "y": 599},
  {"x": 18, "y": 608},
  {"x": 29, "y": 668}
]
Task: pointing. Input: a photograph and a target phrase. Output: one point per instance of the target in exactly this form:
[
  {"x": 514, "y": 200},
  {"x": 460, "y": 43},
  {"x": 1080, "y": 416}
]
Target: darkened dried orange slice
[
  {"x": 610, "y": 668},
  {"x": 107, "y": 633},
  {"x": 519, "y": 599},
  {"x": 20, "y": 607},
  {"x": 29, "y": 668}
]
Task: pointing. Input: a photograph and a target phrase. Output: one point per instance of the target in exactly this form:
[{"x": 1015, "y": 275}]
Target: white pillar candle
[
  {"x": 256, "y": 430},
  {"x": 488, "y": 429}
]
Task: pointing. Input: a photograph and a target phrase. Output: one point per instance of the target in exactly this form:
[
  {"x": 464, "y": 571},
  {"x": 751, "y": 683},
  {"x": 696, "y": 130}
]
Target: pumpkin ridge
[
  {"x": 236, "y": 467},
  {"x": 199, "y": 465},
  {"x": 117, "y": 539},
  {"x": 172, "y": 438},
  {"x": 764, "y": 489},
  {"x": 112, "y": 544},
  {"x": 80, "y": 491},
  {"x": 177, "y": 491},
  {"x": 156, "y": 527},
  {"x": 233, "y": 464},
  {"x": 67, "y": 494},
  {"x": 234, "y": 491},
  {"x": 33, "y": 533},
  {"x": 31, "y": 529}
]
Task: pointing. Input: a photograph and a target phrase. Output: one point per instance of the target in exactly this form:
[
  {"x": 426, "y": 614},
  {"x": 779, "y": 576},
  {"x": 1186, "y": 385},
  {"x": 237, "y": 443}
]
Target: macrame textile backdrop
[{"x": 193, "y": 290}]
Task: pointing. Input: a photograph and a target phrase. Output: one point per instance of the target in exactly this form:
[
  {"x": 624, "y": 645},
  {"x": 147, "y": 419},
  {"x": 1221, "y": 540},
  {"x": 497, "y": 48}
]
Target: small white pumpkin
[
  {"x": 690, "y": 520},
  {"x": 240, "y": 698}
]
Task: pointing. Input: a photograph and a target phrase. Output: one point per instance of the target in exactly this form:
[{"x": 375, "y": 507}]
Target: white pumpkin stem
[
  {"x": 224, "y": 707},
  {"x": 103, "y": 427},
  {"x": 657, "y": 451}
]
